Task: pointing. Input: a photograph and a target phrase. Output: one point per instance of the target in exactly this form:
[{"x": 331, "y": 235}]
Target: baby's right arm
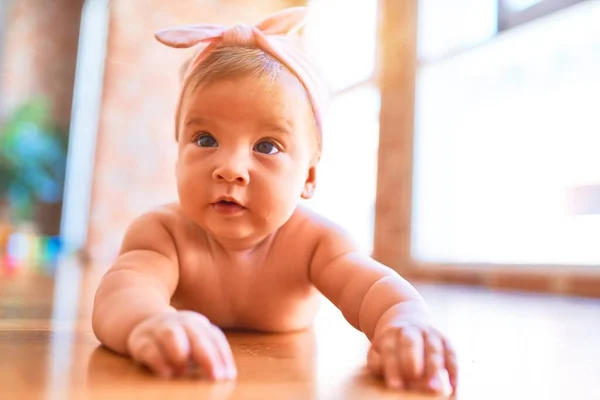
[
  {"x": 132, "y": 313},
  {"x": 139, "y": 285}
]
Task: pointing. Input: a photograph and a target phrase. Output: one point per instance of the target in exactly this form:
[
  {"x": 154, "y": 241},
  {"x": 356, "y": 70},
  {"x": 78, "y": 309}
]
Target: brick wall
[
  {"x": 40, "y": 52},
  {"x": 38, "y": 59},
  {"x": 135, "y": 156}
]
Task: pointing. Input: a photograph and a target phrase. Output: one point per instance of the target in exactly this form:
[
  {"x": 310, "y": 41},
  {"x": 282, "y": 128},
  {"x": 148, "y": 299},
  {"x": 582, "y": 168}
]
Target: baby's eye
[
  {"x": 206, "y": 141},
  {"x": 266, "y": 147}
]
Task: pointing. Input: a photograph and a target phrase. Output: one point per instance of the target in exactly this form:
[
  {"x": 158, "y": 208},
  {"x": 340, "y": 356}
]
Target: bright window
[
  {"x": 341, "y": 37},
  {"x": 504, "y": 133}
]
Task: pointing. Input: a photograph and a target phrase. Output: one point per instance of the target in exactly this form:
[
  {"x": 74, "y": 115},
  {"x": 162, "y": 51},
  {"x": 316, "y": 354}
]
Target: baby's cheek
[
  {"x": 190, "y": 194},
  {"x": 184, "y": 188},
  {"x": 283, "y": 198},
  {"x": 186, "y": 201}
]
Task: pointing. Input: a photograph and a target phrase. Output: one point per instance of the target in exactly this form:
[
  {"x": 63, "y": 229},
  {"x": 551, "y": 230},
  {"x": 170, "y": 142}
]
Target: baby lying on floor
[{"x": 237, "y": 250}]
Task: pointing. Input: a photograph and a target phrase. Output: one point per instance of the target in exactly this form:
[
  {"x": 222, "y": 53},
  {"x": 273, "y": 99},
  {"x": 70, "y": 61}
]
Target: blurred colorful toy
[
  {"x": 32, "y": 160},
  {"x": 27, "y": 252}
]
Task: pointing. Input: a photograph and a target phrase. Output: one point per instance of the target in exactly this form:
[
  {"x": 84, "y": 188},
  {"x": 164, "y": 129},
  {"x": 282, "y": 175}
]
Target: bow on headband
[{"x": 268, "y": 35}]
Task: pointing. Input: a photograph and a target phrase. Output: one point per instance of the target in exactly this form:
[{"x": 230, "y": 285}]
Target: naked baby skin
[{"x": 239, "y": 251}]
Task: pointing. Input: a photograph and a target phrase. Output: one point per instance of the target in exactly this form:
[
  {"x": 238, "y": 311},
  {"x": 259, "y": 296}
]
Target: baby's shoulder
[
  {"x": 164, "y": 225},
  {"x": 308, "y": 227},
  {"x": 323, "y": 240},
  {"x": 167, "y": 217}
]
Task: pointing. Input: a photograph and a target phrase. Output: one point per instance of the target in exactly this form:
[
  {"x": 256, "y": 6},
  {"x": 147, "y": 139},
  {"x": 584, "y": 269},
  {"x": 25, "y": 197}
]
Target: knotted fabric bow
[{"x": 269, "y": 35}]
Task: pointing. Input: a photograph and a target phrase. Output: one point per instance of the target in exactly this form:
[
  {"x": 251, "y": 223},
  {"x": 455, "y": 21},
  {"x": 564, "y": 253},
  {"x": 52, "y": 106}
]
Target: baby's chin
[
  {"x": 231, "y": 232},
  {"x": 236, "y": 234},
  {"x": 246, "y": 228}
]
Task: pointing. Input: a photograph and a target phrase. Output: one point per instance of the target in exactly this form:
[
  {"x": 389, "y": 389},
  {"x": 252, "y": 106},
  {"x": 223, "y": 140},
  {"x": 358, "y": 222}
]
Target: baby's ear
[{"x": 310, "y": 184}]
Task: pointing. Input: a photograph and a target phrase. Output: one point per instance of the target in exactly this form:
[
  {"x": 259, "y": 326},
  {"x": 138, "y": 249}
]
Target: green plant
[{"x": 32, "y": 159}]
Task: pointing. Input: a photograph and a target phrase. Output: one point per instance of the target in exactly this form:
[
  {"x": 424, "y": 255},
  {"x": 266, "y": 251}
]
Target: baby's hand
[
  {"x": 166, "y": 344},
  {"x": 413, "y": 356}
]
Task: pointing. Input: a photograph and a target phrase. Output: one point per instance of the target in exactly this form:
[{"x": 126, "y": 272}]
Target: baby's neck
[{"x": 241, "y": 251}]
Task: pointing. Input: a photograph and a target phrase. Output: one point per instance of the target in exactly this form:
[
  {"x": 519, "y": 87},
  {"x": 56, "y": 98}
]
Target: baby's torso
[{"x": 269, "y": 290}]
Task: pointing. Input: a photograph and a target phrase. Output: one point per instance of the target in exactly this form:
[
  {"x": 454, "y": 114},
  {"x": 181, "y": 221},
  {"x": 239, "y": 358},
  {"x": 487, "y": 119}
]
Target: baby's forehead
[{"x": 281, "y": 97}]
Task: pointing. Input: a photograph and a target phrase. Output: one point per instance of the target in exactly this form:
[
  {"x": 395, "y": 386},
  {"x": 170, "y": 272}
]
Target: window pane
[
  {"x": 513, "y": 13},
  {"x": 347, "y": 174},
  {"x": 504, "y": 136},
  {"x": 449, "y": 26},
  {"x": 341, "y": 38},
  {"x": 520, "y": 5}
]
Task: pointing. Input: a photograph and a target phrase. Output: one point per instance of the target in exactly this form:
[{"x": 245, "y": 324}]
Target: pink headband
[{"x": 269, "y": 35}]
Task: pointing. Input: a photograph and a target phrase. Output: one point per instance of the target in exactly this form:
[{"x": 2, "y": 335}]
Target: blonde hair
[{"x": 235, "y": 61}]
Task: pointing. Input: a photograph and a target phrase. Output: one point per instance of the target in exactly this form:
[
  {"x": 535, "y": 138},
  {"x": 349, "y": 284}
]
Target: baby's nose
[{"x": 232, "y": 171}]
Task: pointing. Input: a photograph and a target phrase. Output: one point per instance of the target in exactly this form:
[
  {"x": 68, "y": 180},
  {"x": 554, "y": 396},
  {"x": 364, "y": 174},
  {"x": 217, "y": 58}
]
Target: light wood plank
[{"x": 510, "y": 346}]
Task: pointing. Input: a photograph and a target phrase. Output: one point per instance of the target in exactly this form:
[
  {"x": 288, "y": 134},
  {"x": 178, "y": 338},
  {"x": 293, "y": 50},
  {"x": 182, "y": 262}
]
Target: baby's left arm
[{"x": 405, "y": 348}]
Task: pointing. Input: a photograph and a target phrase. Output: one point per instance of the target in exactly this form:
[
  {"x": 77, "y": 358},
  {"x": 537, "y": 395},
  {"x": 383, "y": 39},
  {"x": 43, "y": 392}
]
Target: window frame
[{"x": 396, "y": 73}]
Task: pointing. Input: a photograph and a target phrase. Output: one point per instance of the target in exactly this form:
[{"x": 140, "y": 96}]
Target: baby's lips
[{"x": 228, "y": 199}]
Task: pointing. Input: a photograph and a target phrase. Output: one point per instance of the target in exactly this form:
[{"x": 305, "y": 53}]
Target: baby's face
[{"x": 244, "y": 156}]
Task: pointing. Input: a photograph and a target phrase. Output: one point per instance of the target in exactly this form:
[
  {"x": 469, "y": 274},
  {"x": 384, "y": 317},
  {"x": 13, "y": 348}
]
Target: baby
[{"x": 238, "y": 251}]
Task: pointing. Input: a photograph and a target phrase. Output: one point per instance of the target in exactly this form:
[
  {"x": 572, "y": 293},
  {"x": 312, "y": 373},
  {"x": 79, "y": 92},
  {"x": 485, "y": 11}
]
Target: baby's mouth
[{"x": 228, "y": 207}]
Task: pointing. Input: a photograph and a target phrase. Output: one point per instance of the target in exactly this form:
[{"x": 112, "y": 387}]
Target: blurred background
[{"x": 499, "y": 181}]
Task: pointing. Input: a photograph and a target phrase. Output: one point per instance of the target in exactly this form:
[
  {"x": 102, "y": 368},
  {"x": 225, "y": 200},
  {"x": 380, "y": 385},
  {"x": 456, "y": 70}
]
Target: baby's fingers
[
  {"x": 374, "y": 362},
  {"x": 434, "y": 361},
  {"x": 451, "y": 365},
  {"x": 175, "y": 346},
  {"x": 224, "y": 351},
  {"x": 411, "y": 353},
  {"x": 203, "y": 350},
  {"x": 148, "y": 353},
  {"x": 389, "y": 360}
]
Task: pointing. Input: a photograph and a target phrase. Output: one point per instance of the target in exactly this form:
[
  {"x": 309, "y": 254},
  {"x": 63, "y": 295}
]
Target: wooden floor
[{"x": 510, "y": 346}]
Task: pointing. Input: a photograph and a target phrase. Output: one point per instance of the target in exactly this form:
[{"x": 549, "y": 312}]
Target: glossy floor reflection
[{"x": 510, "y": 346}]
